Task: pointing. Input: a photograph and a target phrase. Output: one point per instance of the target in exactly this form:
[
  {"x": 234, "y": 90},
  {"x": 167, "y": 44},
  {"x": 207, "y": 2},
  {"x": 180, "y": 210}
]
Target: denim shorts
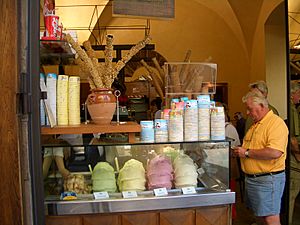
[{"x": 263, "y": 194}]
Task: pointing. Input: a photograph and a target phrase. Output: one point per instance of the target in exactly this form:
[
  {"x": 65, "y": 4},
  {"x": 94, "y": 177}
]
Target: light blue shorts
[{"x": 263, "y": 194}]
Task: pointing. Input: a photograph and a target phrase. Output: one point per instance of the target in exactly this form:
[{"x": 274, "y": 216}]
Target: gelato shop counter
[
  {"x": 144, "y": 202},
  {"x": 117, "y": 180}
]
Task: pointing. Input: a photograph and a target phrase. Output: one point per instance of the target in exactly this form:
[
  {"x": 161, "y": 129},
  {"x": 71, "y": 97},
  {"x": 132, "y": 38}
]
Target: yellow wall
[{"x": 231, "y": 32}]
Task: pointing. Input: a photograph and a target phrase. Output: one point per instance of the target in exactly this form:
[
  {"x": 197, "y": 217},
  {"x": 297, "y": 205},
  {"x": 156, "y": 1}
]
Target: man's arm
[{"x": 263, "y": 153}]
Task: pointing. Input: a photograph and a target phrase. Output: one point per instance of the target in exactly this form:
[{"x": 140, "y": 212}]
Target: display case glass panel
[{"x": 209, "y": 158}]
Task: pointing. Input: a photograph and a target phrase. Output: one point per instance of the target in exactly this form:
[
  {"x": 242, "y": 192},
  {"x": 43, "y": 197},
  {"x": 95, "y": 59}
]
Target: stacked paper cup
[
  {"x": 176, "y": 122},
  {"x": 62, "y": 100},
  {"x": 166, "y": 114},
  {"x": 74, "y": 100},
  {"x": 191, "y": 120},
  {"x": 51, "y": 81},
  {"x": 217, "y": 123},
  {"x": 161, "y": 130},
  {"x": 147, "y": 132},
  {"x": 176, "y": 126},
  {"x": 203, "y": 117}
]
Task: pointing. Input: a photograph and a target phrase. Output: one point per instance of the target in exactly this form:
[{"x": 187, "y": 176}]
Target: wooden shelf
[
  {"x": 58, "y": 48},
  {"x": 128, "y": 127}
]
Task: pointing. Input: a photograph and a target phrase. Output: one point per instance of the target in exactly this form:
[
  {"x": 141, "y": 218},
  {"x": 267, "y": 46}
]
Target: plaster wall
[
  {"x": 230, "y": 32},
  {"x": 276, "y": 60}
]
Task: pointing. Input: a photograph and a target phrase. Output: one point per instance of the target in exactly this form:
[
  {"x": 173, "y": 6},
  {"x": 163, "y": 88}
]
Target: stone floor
[
  {"x": 245, "y": 217},
  {"x": 296, "y": 215}
]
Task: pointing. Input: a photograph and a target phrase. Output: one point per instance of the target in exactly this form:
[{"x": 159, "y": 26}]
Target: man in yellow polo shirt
[{"x": 263, "y": 157}]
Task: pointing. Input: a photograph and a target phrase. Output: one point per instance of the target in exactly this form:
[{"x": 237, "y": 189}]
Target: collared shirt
[
  {"x": 272, "y": 132},
  {"x": 231, "y": 132},
  {"x": 249, "y": 121}
]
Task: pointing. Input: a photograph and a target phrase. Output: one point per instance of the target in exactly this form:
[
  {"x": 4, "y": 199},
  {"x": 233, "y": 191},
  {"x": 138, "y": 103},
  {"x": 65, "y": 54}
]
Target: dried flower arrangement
[{"x": 102, "y": 75}]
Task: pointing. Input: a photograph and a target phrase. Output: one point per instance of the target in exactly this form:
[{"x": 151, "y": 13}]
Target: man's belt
[{"x": 263, "y": 174}]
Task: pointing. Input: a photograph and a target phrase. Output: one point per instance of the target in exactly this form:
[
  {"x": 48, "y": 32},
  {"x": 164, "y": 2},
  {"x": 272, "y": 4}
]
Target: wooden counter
[{"x": 220, "y": 215}]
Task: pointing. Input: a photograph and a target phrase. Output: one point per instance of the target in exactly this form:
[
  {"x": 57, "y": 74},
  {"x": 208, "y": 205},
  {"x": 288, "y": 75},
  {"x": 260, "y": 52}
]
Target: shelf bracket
[{"x": 24, "y": 96}]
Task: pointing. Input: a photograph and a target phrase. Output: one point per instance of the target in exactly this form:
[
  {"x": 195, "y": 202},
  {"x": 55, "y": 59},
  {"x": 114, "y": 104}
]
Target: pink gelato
[{"x": 160, "y": 172}]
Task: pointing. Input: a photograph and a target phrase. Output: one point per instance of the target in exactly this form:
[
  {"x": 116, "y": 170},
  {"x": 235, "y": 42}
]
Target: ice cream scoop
[
  {"x": 171, "y": 152},
  {"x": 160, "y": 172},
  {"x": 103, "y": 178},
  {"x": 132, "y": 176},
  {"x": 185, "y": 171}
]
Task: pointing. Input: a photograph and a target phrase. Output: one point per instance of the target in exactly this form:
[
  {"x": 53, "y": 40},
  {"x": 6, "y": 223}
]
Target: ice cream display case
[{"x": 141, "y": 177}]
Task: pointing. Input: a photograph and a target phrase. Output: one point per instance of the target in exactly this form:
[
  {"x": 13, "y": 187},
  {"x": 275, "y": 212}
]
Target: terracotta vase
[{"x": 101, "y": 104}]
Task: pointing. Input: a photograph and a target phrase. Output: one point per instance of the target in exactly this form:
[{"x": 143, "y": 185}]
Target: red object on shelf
[
  {"x": 48, "y": 38},
  {"x": 51, "y": 25}
]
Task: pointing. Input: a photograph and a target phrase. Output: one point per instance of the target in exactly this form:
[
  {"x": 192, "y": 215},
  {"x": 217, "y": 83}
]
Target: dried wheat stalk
[
  {"x": 135, "y": 49},
  {"x": 184, "y": 68},
  {"x": 88, "y": 62},
  {"x": 108, "y": 54},
  {"x": 155, "y": 79},
  {"x": 160, "y": 70},
  {"x": 102, "y": 75}
]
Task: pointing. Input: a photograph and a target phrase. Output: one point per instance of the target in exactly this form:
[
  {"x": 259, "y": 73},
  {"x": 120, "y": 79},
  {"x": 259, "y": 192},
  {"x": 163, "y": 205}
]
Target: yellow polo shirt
[{"x": 270, "y": 132}]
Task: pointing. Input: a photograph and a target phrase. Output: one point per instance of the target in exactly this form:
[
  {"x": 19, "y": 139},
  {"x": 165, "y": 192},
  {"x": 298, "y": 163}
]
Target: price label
[
  {"x": 188, "y": 190},
  {"x": 160, "y": 192},
  {"x": 129, "y": 194},
  {"x": 101, "y": 195}
]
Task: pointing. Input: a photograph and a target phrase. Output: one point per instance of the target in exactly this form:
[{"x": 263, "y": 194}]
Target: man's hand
[{"x": 239, "y": 152}]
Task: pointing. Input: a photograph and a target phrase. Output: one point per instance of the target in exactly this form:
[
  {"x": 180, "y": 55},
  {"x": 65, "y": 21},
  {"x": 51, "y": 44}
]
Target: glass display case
[
  {"x": 208, "y": 185},
  {"x": 190, "y": 78}
]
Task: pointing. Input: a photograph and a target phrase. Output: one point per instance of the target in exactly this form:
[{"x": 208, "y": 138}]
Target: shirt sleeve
[{"x": 277, "y": 135}]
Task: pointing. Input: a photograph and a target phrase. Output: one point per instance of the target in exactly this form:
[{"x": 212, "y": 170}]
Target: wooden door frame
[
  {"x": 33, "y": 71},
  {"x": 10, "y": 185},
  {"x": 20, "y": 158}
]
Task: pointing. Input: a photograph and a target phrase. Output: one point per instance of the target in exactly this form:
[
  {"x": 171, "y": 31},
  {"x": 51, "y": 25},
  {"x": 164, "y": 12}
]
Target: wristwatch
[{"x": 247, "y": 153}]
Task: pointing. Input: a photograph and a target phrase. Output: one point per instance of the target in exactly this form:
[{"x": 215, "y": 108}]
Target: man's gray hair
[
  {"x": 295, "y": 86},
  {"x": 257, "y": 98},
  {"x": 261, "y": 86}
]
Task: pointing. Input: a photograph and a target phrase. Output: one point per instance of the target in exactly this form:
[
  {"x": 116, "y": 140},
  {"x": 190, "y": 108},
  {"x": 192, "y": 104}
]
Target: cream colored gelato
[
  {"x": 185, "y": 171},
  {"x": 132, "y": 176}
]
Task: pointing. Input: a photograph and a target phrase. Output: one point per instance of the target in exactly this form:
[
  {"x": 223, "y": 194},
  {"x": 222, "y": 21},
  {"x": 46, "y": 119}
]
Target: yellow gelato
[{"x": 132, "y": 176}]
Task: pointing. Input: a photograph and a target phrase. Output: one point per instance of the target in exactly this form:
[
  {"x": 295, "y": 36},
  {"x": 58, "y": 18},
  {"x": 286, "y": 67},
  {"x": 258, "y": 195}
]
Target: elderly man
[
  {"x": 263, "y": 155},
  {"x": 262, "y": 87}
]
